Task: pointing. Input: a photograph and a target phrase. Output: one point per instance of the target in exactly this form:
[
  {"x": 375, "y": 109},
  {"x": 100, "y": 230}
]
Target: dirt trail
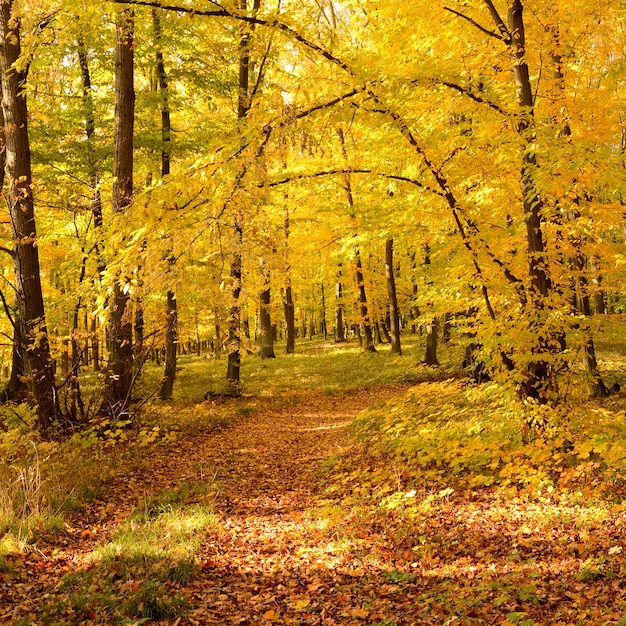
[{"x": 270, "y": 557}]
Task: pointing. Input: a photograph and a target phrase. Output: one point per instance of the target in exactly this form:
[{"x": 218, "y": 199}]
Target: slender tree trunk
[
  {"x": 290, "y": 320},
  {"x": 16, "y": 387},
  {"x": 171, "y": 339},
  {"x": 266, "y": 333},
  {"x": 539, "y": 373},
  {"x": 432, "y": 328},
  {"x": 171, "y": 308},
  {"x": 394, "y": 317},
  {"x": 414, "y": 310},
  {"x": 288, "y": 306},
  {"x": 323, "y": 324},
  {"x": 233, "y": 371},
  {"x": 31, "y": 312},
  {"x": 360, "y": 282},
  {"x": 340, "y": 329},
  {"x": 120, "y": 367}
]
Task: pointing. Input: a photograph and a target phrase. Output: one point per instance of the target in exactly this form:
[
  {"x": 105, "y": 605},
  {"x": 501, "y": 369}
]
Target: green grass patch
[{"x": 133, "y": 576}]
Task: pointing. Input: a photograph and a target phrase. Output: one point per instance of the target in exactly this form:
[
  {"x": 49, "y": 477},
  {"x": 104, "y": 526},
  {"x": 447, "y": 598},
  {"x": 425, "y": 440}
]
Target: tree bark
[
  {"x": 171, "y": 307},
  {"x": 233, "y": 371},
  {"x": 119, "y": 378},
  {"x": 323, "y": 323},
  {"x": 31, "y": 313},
  {"x": 360, "y": 282},
  {"x": 171, "y": 339},
  {"x": 288, "y": 306},
  {"x": 394, "y": 317},
  {"x": 340, "y": 329},
  {"x": 266, "y": 332}
]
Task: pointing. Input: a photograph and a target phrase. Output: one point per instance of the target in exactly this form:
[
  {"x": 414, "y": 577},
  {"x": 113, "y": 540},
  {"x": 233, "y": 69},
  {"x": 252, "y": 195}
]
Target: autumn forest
[{"x": 313, "y": 312}]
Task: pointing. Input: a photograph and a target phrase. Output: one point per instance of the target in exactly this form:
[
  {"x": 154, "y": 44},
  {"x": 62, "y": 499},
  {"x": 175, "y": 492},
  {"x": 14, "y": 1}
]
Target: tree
[
  {"x": 31, "y": 319},
  {"x": 119, "y": 381}
]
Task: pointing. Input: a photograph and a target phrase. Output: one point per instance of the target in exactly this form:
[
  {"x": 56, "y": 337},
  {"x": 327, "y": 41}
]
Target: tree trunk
[
  {"x": 171, "y": 339},
  {"x": 31, "y": 312},
  {"x": 266, "y": 332},
  {"x": 233, "y": 371},
  {"x": 171, "y": 308},
  {"x": 340, "y": 329},
  {"x": 290, "y": 320},
  {"x": 323, "y": 325},
  {"x": 120, "y": 367},
  {"x": 539, "y": 374},
  {"x": 288, "y": 306},
  {"x": 363, "y": 309},
  {"x": 394, "y": 317}
]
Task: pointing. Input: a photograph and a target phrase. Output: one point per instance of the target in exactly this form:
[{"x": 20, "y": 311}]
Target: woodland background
[{"x": 242, "y": 192}]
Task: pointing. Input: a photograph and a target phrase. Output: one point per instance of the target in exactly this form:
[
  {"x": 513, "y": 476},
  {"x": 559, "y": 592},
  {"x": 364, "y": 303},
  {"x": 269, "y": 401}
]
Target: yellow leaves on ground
[{"x": 441, "y": 433}]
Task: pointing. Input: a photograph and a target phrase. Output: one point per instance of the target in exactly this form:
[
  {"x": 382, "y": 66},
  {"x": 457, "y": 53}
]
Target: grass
[{"x": 133, "y": 575}]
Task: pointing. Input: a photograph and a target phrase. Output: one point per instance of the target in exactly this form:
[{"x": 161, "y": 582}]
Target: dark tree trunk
[
  {"x": 171, "y": 309},
  {"x": 323, "y": 324},
  {"x": 290, "y": 320},
  {"x": 171, "y": 339},
  {"x": 363, "y": 308},
  {"x": 233, "y": 371},
  {"x": 414, "y": 310},
  {"x": 139, "y": 327},
  {"x": 120, "y": 367},
  {"x": 266, "y": 333},
  {"x": 16, "y": 387},
  {"x": 384, "y": 330},
  {"x": 288, "y": 306},
  {"x": 394, "y": 317},
  {"x": 340, "y": 329},
  {"x": 597, "y": 388},
  {"x": 30, "y": 308}
]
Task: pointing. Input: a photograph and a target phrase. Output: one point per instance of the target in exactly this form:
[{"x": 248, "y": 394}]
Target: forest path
[{"x": 269, "y": 556}]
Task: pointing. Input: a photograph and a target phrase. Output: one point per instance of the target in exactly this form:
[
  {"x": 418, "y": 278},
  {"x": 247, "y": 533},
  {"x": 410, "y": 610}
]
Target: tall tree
[
  {"x": 171, "y": 311},
  {"x": 33, "y": 333},
  {"x": 394, "y": 316},
  {"x": 266, "y": 332},
  {"x": 120, "y": 330}
]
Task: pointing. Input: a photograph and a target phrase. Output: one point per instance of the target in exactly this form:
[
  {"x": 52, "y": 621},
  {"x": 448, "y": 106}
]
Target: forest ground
[{"x": 251, "y": 514}]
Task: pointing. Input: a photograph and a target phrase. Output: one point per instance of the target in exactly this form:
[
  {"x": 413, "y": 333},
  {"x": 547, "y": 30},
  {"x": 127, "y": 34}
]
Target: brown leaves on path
[{"x": 267, "y": 558}]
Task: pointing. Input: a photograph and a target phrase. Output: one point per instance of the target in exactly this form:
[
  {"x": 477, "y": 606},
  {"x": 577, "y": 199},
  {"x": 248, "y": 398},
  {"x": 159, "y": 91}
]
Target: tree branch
[
  {"x": 349, "y": 170},
  {"x": 473, "y": 22},
  {"x": 472, "y": 95},
  {"x": 222, "y": 11},
  {"x": 507, "y": 37}
]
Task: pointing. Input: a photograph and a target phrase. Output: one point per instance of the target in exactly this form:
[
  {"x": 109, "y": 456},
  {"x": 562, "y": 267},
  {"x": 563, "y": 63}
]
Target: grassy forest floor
[{"x": 340, "y": 489}]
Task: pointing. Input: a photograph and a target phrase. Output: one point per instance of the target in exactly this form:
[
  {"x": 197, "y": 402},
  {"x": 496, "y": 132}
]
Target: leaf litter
[{"x": 290, "y": 540}]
